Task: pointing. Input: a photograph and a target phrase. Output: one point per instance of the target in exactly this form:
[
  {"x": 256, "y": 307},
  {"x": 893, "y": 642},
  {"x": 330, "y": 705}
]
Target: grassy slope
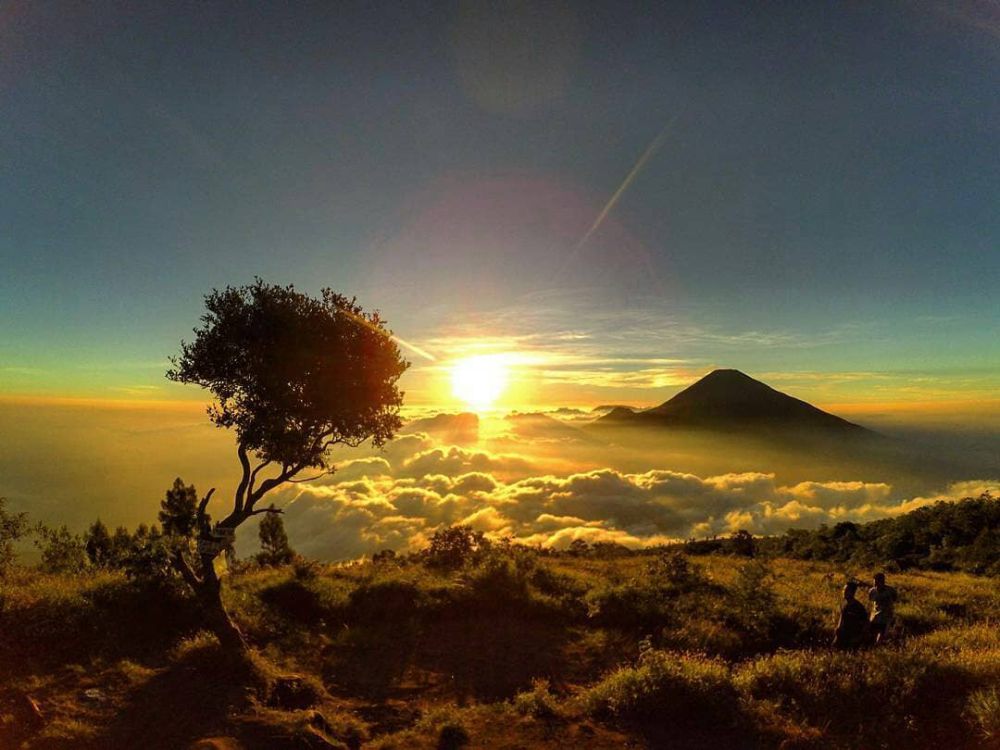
[{"x": 515, "y": 652}]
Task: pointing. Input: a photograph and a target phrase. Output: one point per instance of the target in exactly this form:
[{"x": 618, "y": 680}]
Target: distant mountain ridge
[{"x": 732, "y": 400}]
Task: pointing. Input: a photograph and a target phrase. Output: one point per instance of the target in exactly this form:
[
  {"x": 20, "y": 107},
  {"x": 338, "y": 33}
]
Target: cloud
[
  {"x": 454, "y": 460},
  {"x": 398, "y": 499}
]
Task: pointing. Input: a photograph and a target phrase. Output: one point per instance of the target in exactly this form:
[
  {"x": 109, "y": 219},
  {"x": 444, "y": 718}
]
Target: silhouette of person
[
  {"x": 883, "y": 598},
  {"x": 852, "y": 627}
]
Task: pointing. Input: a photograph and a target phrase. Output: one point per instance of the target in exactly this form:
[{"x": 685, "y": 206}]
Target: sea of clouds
[{"x": 396, "y": 498}]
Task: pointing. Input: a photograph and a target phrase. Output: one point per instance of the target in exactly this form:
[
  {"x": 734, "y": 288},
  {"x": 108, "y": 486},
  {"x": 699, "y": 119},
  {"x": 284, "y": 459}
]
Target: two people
[{"x": 855, "y": 627}]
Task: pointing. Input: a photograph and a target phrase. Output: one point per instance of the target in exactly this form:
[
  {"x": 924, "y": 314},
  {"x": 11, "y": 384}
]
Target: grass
[{"x": 515, "y": 650}]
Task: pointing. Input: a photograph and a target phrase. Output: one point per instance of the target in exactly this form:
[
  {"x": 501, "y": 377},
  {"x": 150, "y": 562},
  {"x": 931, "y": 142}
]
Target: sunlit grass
[{"x": 522, "y": 640}]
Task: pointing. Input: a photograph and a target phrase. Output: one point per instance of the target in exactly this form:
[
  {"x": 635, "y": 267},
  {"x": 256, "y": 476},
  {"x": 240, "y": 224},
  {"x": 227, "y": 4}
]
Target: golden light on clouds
[{"x": 480, "y": 380}]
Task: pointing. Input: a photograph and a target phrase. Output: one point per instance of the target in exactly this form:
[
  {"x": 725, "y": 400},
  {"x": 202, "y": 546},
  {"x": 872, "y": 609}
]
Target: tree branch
[
  {"x": 253, "y": 476},
  {"x": 241, "y": 489},
  {"x": 269, "y": 509},
  {"x": 310, "y": 479},
  {"x": 204, "y": 501},
  {"x": 186, "y": 571},
  {"x": 287, "y": 472}
]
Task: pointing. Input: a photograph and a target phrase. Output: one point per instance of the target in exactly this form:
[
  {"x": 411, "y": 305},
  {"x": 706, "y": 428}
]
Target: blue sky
[{"x": 824, "y": 204}]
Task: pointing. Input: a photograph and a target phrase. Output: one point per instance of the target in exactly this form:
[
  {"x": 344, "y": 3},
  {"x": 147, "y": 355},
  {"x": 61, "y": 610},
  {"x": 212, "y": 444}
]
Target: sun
[{"x": 479, "y": 381}]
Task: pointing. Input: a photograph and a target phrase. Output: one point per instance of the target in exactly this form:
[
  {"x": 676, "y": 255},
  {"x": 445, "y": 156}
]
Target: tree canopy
[{"x": 292, "y": 374}]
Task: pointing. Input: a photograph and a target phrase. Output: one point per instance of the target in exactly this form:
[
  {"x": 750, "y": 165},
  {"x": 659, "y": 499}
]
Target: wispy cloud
[{"x": 648, "y": 345}]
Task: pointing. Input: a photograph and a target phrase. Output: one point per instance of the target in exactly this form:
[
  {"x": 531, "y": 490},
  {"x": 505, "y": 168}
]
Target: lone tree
[
  {"x": 179, "y": 510},
  {"x": 274, "y": 547},
  {"x": 292, "y": 376}
]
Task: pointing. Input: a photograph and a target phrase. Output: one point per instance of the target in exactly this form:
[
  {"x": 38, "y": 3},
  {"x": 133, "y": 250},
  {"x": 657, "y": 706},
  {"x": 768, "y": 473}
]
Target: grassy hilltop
[{"x": 500, "y": 647}]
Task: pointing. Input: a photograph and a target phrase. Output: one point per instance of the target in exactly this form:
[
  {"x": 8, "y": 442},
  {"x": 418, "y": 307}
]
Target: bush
[
  {"x": 627, "y": 605},
  {"x": 666, "y": 686},
  {"x": 673, "y": 570},
  {"x": 838, "y": 691},
  {"x": 539, "y": 702},
  {"x": 304, "y": 570},
  {"x": 454, "y": 547},
  {"x": 304, "y": 600},
  {"x": 755, "y": 607},
  {"x": 384, "y": 601}
]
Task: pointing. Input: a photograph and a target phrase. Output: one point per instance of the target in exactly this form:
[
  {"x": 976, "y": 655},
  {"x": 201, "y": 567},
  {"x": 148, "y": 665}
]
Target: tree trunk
[{"x": 209, "y": 593}]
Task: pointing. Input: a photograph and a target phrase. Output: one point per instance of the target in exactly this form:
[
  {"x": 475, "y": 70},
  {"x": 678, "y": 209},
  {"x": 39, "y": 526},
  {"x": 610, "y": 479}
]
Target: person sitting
[
  {"x": 883, "y": 598},
  {"x": 852, "y": 627}
]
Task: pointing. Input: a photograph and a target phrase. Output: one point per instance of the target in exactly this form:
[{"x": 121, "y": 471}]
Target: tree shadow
[
  {"x": 185, "y": 701},
  {"x": 483, "y": 657},
  {"x": 490, "y": 658},
  {"x": 371, "y": 660}
]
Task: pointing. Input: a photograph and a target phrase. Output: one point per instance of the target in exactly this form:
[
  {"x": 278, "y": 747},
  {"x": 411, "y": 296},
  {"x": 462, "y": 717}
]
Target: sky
[
  {"x": 553, "y": 204},
  {"x": 815, "y": 200}
]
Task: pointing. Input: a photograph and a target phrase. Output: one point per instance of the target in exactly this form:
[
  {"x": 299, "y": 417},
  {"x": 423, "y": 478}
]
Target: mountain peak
[
  {"x": 727, "y": 374},
  {"x": 728, "y": 399}
]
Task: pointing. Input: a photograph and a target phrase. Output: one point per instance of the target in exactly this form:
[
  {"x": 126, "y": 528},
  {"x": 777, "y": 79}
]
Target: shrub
[
  {"x": 303, "y": 569},
  {"x": 673, "y": 570},
  {"x": 627, "y": 605},
  {"x": 666, "y": 686},
  {"x": 755, "y": 606},
  {"x": 539, "y": 702},
  {"x": 837, "y": 691},
  {"x": 304, "y": 600},
  {"x": 454, "y": 547},
  {"x": 387, "y": 600}
]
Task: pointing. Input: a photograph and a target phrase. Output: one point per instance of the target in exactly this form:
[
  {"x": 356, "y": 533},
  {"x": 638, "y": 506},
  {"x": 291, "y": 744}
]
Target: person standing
[
  {"x": 883, "y": 599},
  {"x": 853, "y": 623}
]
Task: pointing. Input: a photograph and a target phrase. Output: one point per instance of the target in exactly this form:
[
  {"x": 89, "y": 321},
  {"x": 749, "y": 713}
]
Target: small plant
[
  {"x": 983, "y": 712},
  {"x": 539, "y": 702}
]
